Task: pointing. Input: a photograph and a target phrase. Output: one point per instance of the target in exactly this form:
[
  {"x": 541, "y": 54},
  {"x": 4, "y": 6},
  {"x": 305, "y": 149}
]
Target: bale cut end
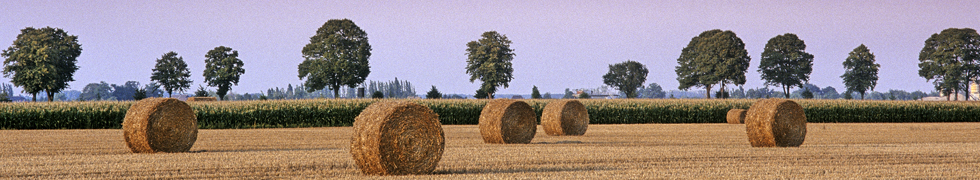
[
  {"x": 565, "y": 117},
  {"x": 775, "y": 122},
  {"x": 736, "y": 116},
  {"x": 507, "y": 121},
  {"x": 160, "y": 125},
  {"x": 397, "y": 138}
]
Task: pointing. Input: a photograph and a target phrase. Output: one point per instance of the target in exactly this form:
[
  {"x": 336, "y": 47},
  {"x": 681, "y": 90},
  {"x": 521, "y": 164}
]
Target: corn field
[{"x": 329, "y": 112}]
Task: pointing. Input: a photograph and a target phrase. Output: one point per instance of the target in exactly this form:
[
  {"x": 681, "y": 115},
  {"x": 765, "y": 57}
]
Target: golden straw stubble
[
  {"x": 202, "y": 99},
  {"x": 565, "y": 117},
  {"x": 775, "y": 122},
  {"x": 736, "y": 116},
  {"x": 397, "y": 138},
  {"x": 160, "y": 125},
  {"x": 507, "y": 121}
]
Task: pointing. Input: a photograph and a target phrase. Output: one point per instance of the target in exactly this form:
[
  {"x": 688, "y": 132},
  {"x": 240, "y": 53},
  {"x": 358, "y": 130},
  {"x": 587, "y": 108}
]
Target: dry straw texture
[
  {"x": 736, "y": 116},
  {"x": 202, "y": 99},
  {"x": 565, "y": 117},
  {"x": 507, "y": 121},
  {"x": 775, "y": 122},
  {"x": 397, "y": 138},
  {"x": 160, "y": 125}
]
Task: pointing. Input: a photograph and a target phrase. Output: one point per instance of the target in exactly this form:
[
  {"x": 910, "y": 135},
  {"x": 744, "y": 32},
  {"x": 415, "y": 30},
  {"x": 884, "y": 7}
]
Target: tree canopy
[
  {"x": 336, "y": 56},
  {"x": 489, "y": 60},
  {"x": 535, "y": 94},
  {"x": 860, "y": 70},
  {"x": 785, "y": 62},
  {"x": 42, "y": 60},
  {"x": 222, "y": 69},
  {"x": 713, "y": 57},
  {"x": 626, "y": 76},
  {"x": 950, "y": 60},
  {"x": 172, "y": 73},
  {"x": 433, "y": 94}
]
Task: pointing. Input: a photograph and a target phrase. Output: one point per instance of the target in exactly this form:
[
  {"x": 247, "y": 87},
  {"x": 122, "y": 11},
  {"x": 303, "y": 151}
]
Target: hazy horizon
[{"x": 557, "y": 45}]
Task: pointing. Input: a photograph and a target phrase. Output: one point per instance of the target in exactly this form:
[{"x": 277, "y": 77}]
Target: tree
[
  {"x": 547, "y": 95},
  {"x": 713, "y": 57},
  {"x": 377, "y": 95},
  {"x": 481, "y": 94},
  {"x": 584, "y": 95},
  {"x": 336, "y": 56},
  {"x": 860, "y": 71},
  {"x": 950, "y": 59},
  {"x": 125, "y": 91},
  {"x": 653, "y": 91},
  {"x": 489, "y": 60},
  {"x": 568, "y": 94},
  {"x": 535, "y": 94},
  {"x": 785, "y": 62},
  {"x": 172, "y": 73},
  {"x": 153, "y": 90},
  {"x": 201, "y": 92},
  {"x": 42, "y": 60},
  {"x": 830, "y": 93},
  {"x": 97, "y": 92},
  {"x": 627, "y": 77},
  {"x": 222, "y": 69},
  {"x": 433, "y": 94},
  {"x": 140, "y": 94}
]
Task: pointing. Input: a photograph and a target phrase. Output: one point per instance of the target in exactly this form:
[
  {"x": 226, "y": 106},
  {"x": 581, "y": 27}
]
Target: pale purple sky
[{"x": 559, "y": 44}]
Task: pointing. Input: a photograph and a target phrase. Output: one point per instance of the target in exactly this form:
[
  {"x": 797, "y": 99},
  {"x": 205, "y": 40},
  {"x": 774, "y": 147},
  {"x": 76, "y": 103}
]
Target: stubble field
[{"x": 631, "y": 151}]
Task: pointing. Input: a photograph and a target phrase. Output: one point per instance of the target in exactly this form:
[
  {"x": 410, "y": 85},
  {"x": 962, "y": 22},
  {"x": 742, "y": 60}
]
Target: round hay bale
[
  {"x": 397, "y": 138},
  {"x": 507, "y": 121},
  {"x": 736, "y": 116},
  {"x": 775, "y": 122},
  {"x": 160, "y": 125},
  {"x": 565, "y": 117}
]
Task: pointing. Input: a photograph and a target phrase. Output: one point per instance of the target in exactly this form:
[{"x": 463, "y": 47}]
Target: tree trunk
[
  {"x": 722, "y": 91},
  {"x": 50, "y": 96},
  {"x": 33, "y": 97},
  {"x": 336, "y": 92},
  {"x": 708, "y": 93},
  {"x": 786, "y": 91},
  {"x": 862, "y": 95}
]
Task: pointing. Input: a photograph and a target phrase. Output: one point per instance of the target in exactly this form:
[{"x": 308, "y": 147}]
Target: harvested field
[{"x": 639, "y": 151}]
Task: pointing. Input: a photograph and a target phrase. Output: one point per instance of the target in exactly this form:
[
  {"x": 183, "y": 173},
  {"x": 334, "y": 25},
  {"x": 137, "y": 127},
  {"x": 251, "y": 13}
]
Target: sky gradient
[{"x": 558, "y": 45}]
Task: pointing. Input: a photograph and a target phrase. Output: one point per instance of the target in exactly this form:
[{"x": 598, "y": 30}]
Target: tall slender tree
[
  {"x": 42, "y": 60},
  {"x": 785, "y": 62},
  {"x": 172, "y": 73},
  {"x": 222, "y": 69},
  {"x": 535, "y": 94},
  {"x": 951, "y": 59},
  {"x": 336, "y": 56},
  {"x": 489, "y": 60},
  {"x": 713, "y": 57},
  {"x": 860, "y": 70}
]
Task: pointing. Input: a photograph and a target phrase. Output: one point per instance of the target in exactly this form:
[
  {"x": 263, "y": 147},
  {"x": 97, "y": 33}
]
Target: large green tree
[
  {"x": 489, "y": 60},
  {"x": 336, "y": 56},
  {"x": 222, "y": 69},
  {"x": 785, "y": 62},
  {"x": 42, "y": 60},
  {"x": 535, "y": 94},
  {"x": 626, "y": 77},
  {"x": 172, "y": 73},
  {"x": 860, "y": 70},
  {"x": 950, "y": 59},
  {"x": 713, "y": 57}
]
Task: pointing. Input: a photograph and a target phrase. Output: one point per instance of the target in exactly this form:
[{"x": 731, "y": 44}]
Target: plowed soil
[{"x": 634, "y": 151}]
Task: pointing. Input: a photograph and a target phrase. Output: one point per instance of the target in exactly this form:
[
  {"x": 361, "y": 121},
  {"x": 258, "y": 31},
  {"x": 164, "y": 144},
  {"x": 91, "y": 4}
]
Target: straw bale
[
  {"x": 736, "y": 116},
  {"x": 775, "y": 122},
  {"x": 507, "y": 121},
  {"x": 397, "y": 138},
  {"x": 565, "y": 117},
  {"x": 160, "y": 125}
]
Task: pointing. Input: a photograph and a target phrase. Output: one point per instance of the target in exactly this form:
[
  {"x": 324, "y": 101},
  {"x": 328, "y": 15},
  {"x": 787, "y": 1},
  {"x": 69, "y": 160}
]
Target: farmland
[
  {"x": 618, "y": 151},
  {"x": 330, "y": 113}
]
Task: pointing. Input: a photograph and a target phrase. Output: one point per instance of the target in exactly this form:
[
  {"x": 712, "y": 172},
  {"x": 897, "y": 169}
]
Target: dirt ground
[{"x": 634, "y": 151}]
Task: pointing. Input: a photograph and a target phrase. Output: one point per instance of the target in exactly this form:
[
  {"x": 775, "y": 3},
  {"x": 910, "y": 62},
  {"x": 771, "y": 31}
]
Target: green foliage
[
  {"x": 785, "y": 62},
  {"x": 172, "y": 73},
  {"x": 393, "y": 89},
  {"x": 489, "y": 60},
  {"x": 140, "y": 94},
  {"x": 481, "y": 94},
  {"x": 42, "y": 60},
  {"x": 222, "y": 69},
  {"x": 847, "y": 95},
  {"x": 433, "y": 94},
  {"x": 96, "y": 92},
  {"x": 535, "y": 94},
  {"x": 336, "y": 56},
  {"x": 201, "y": 92},
  {"x": 568, "y": 94},
  {"x": 4, "y": 97},
  {"x": 951, "y": 59},
  {"x": 652, "y": 91},
  {"x": 584, "y": 95},
  {"x": 377, "y": 95},
  {"x": 713, "y": 57},
  {"x": 320, "y": 113},
  {"x": 627, "y": 77},
  {"x": 860, "y": 70},
  {"x": 807, "y": 94}
]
